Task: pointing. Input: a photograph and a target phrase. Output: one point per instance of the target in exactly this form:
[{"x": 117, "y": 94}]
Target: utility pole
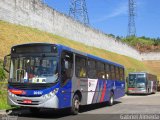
[
  {"x": 131, "y": 20},
  {"x": 78, "y": 11}
]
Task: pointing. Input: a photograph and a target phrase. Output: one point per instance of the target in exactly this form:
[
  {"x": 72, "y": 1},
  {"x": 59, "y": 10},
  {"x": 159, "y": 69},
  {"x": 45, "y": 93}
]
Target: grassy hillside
[
  {"x": 154, "y": 65},
  {"x": 11, "y": 34},
  {"x": 14, "y": 34}
]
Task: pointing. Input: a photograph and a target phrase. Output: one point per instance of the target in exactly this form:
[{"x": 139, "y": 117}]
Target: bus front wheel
[
  {"x": 111, "y": 99},
  {"x": 75, "y": 105}
]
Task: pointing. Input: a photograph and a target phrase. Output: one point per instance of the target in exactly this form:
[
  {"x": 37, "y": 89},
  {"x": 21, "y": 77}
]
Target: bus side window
[
  {"x": 92, "y": 73},
  {"x": 122, "y": 74},
  {"x": 66, "y": 66},
  {"x": 117, "y": 73},
  {"x": 100, "y": 70},
  {"x": 107, "y": 69},
  {"x": 81, "y": 70},
  {"x": 113, "y": 76}
]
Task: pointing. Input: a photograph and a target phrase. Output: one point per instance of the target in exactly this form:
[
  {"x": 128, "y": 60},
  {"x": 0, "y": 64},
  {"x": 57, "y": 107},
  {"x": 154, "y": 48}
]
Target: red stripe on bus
[{"x": 103, "y": 93}]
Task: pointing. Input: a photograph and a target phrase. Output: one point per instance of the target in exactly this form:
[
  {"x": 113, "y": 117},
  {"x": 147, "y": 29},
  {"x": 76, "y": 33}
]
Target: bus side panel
[
  {"x": 96, "y": 94},
  {"x": 103, "y": 91},
  {"x": 96, "y": 91},
  {"x": 92, "y": 89},
  {"x": 100, "y": 94},
  {"x": 101, "y": 85},
  {"x": 89, "y": 88},
  {"x": 110, "y": 87},
  {"x": 155, "y": 86},
  {"x": 120, "y": 89},
  {"x": 148, "y": 86},
  {"x": 64, "y": 95},
  {"x": 80, "y": 85},
  {"x": 83, "y": 88}
]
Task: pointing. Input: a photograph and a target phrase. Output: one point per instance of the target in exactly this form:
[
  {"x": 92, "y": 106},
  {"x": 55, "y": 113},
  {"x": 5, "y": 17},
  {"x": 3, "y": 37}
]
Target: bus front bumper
[
  {"x": 41, "y": 102},
  {"x": 137, "y": 91}
]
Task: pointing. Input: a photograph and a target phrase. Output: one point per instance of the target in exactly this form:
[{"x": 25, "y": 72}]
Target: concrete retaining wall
[{"x": 151, "y": 56}]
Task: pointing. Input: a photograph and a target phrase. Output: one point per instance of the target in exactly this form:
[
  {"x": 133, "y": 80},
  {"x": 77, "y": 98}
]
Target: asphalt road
[{"x": 133, "y": 104}]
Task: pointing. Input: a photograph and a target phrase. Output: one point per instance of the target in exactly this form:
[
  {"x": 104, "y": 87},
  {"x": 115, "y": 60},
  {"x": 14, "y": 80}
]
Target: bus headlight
[
  {"x": 51, "y": 94},
  {"x": 11, "y": 94},
  {"x": 55, "y": 90}
]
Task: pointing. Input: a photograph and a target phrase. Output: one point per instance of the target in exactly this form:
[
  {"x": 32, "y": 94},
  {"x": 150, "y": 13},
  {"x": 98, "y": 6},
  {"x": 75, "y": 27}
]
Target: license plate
[{"x": 27, "y": 101}]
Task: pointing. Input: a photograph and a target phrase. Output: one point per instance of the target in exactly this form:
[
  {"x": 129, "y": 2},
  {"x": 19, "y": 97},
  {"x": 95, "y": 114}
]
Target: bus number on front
[{"x": 37, "y": 92}]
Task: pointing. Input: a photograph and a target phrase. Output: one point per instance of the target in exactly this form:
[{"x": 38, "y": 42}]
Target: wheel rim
[
  {"x": 111, "y": 100},
  {"x": 76, "y": 104}
]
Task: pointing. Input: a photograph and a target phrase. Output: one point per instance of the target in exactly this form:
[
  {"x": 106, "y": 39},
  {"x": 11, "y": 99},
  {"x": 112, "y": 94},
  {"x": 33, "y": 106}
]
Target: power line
[
  {"x": 78, "y": 11},
  {"x": 131, "y": 21}
]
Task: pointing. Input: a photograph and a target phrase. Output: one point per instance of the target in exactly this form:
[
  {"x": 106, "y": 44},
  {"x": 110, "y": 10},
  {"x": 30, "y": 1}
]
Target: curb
[
  {"x": 5, "y": 112},
  {"x": 2, "y": 112}
]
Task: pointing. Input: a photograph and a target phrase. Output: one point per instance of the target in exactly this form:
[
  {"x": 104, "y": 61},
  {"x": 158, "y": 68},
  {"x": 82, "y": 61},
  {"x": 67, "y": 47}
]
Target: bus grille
[{"x": 31, "y": 86}]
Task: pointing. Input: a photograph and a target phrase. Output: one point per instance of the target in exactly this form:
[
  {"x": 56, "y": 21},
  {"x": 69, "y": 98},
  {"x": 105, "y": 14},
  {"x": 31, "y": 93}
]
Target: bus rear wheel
[
  {"x": 111, "y": 99},
  {"x": 148, "y": 91},
  {"x": 75, "y": 105}
]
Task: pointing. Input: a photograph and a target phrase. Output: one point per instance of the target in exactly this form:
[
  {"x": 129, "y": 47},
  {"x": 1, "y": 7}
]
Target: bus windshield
[
  {"x": 140, "y": 82},
  {"x": 132, "y": 80},
  {"x": 136, "y": 81},
  {"x": 34, "y": 70}
]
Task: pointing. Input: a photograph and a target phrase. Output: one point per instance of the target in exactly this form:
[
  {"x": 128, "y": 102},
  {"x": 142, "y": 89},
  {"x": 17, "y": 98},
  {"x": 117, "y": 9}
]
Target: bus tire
[
  {"x": 148, "y": 91},
  {"x": 111, "y": 99},
  {"x": 75, "y": 105}
]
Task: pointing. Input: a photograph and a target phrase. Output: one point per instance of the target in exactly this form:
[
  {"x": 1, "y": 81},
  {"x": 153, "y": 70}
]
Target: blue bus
[{"x": 44, "y": 75}]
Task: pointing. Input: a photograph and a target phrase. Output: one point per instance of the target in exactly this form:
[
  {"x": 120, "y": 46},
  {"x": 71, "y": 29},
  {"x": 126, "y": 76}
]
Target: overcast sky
[{"x": 111, "y": 16}]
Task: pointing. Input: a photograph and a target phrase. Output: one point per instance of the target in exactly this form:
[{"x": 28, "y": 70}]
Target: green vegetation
[
  {"x": 143, "y": 44},
  {"x": 3, "y": 96},
  {"x": 3, "y": 88},
  {"x": 2, "y": 73}
]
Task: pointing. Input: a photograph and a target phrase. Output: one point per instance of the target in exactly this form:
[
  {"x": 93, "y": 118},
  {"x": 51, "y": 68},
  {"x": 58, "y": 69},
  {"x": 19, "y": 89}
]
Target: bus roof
[
  {"x": 138, "y": 73},
  {"x": 89, "y": 55},
  {"x": 141, "y": 73},
  {"x": 73, "y": 50}
]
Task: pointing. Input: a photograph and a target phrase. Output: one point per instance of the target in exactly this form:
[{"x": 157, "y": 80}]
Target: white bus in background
[{"x": 141, "y": 83}]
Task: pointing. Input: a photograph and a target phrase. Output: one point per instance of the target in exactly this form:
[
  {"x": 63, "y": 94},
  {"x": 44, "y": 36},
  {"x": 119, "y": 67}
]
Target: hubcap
[
  {"x": 76, "y": 104},
  {"x": 111, "y": 100}
]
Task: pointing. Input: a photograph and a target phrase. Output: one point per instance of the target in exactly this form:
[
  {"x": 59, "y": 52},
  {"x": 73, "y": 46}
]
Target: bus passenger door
[{"x": 66, "y": 76}]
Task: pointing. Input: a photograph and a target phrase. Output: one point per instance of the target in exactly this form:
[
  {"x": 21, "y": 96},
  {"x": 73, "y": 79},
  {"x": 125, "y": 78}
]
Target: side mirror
[
  {"x": 126, "y": 79},
  {"x": 6, "y": 63}
]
